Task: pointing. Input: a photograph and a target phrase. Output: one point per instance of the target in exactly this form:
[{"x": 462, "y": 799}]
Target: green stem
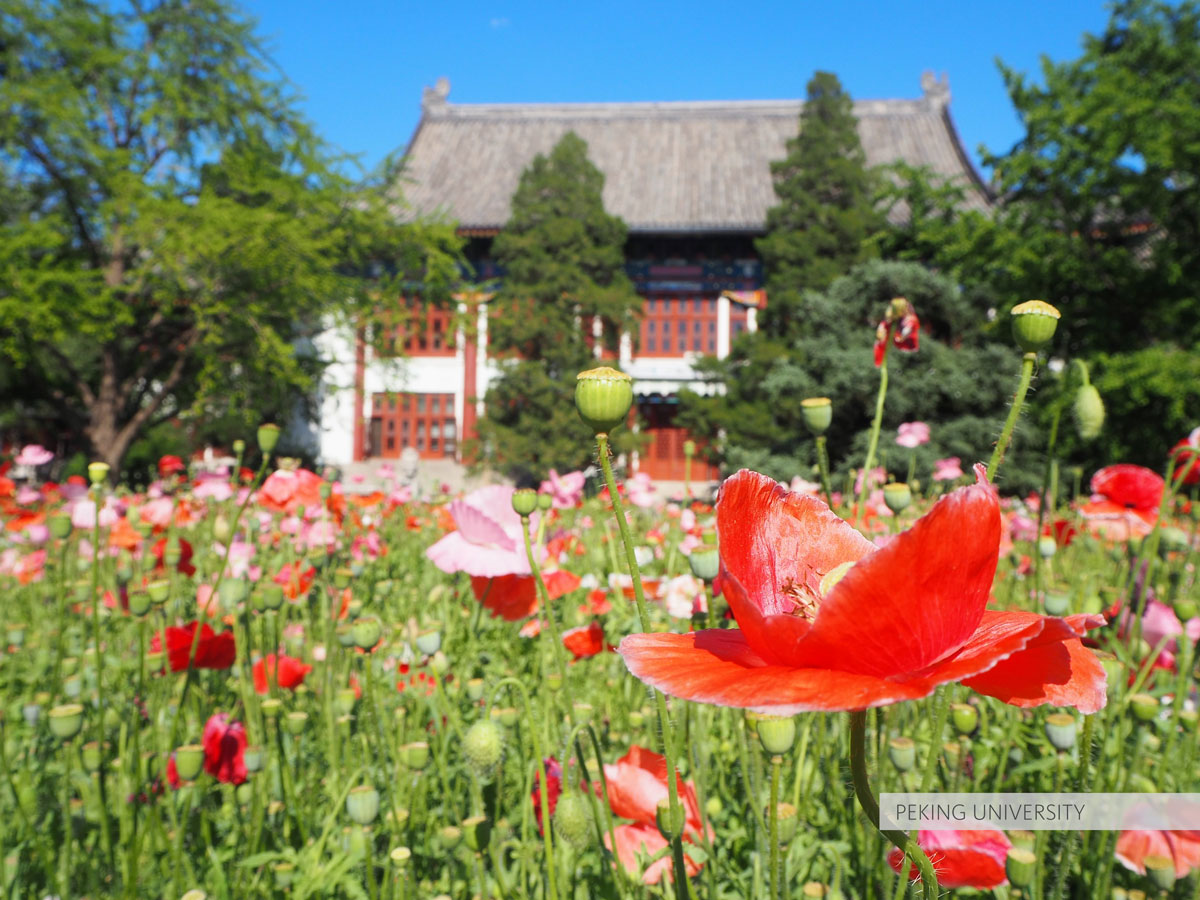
[
  {"x": 544, "y": 597},
  {"x": 876, "y": 423},
  {"x": 1027, "y": 363},
  {"x": 105, "y": 827},
  {"x": 664, "y": 718},
  {"x": 776, "y": 764},
  {"x": 866, "y": 799},
  {"x": 823, "y": 462}
]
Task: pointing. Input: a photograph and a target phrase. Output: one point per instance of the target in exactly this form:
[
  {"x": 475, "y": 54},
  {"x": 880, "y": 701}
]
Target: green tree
[
  {"x": 826, "y": 212},
  {"x": 171, "y": 227},
  {"x": 563, "y": 259}
]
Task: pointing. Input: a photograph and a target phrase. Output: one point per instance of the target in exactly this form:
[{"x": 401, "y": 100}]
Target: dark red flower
[
  {"x": 225, "y": 749},
  {"x": 214, "y": 651},
  {"x": 830, "y": 622},
  {"x": 902, "y": 324},
  {"x": 972, "y": 859},
  {"x": 170, "y": 465},
  {"x": 553, "y": 789},
  {"x": 184, "y": 566},
  {"x": 286, "y": 671}
]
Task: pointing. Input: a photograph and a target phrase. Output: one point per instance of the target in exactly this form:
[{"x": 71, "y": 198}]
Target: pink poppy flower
[
  {"x": 566, "y": 490},
  {"x": 912, "y": 434},
  {"x": 487, "y": 541},
  {"x": 949, "y": 469},
  {"x": 640, "y": 490},
  {"x": 33, "y": 455},
  {"x": 972, "y": 859},
  {"x": 1181, "y": 847}
]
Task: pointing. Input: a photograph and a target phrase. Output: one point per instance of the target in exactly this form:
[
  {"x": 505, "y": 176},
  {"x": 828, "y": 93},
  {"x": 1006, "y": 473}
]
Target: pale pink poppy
[
  {"x": 401, "y": 495},
  {"x": 213, "y": 486},
  {"x": 1181, "y": 847},
  {"x": 385, "y": 472},
  {"x": 801, "y": 486},
  {"x": 566, "y": 491},
  {"x": 83, "y": 515},
  {"x": 949, "y": 469},
  {"x": 488, "y": 540},
  {"x": 33, "y": 455},
  {"x": 157, "y": 512},
  {"x": 912, "y": 434},
  {"x": 640, "y": 490},
  {"x": 27, "y": 496},
  {"x": 684, "y": 596},
  {"x": 877, "y": 480}
]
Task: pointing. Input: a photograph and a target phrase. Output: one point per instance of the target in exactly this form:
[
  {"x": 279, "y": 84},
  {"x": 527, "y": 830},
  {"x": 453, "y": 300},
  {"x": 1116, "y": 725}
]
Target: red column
[
  {"x": 470, "y": 359},
  {"x": 360, "y": 378}
]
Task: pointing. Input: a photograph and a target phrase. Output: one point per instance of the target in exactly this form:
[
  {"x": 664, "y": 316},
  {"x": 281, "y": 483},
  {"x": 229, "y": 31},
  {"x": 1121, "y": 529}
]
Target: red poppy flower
[
  {"x": 584, "y": 641},
  {"x": 224, "y": 749},
  {"x": 284, "y": 670},
  {"x": 553, "y": 789},
  {"x": 170, "y": 465},
  {"x": 514, "y": 597},
  {"x": 902, "y": 324},
  {"x": 184, "y": 566},
  {"x": 214, "y": 651},
  {"x": 285, "y": 491},
  {"x": 295, "y": 579},
  {"x": 1181, "y": 847},
  {"x": 1187, "y": 458},
  {"x": 972, "y": 859},
  {"x": 1125, "y": 501},
  {"x": 901, "y": 620}
]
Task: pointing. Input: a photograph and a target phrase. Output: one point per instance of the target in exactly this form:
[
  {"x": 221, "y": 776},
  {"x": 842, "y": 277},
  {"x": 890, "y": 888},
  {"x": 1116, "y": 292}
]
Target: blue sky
[{"x": 360, "y": 65}]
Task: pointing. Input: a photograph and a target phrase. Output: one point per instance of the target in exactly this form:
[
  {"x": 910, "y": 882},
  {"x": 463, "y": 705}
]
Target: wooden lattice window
[
  {"x": 426, "y": 330},
  {"x": 674, "y": 325},
  {"x": 424, "y": 422}
]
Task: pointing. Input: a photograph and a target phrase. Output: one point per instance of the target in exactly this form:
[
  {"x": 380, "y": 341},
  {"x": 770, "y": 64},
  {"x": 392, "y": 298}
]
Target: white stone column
[
  {"x": 752, "y": 319},
  {"x": 723, "y": 326}
]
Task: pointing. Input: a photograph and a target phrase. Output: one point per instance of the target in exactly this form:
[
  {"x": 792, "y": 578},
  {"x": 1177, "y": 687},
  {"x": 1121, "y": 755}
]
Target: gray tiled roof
[{"x": 669, "y": 167}]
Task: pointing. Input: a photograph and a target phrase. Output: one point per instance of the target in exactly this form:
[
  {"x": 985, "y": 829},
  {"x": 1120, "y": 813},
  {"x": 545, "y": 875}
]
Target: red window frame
[
  {"x": 426, "y": 330},
  {"x": 675, "y": 324},
  {"x": 424, "y": 422}
]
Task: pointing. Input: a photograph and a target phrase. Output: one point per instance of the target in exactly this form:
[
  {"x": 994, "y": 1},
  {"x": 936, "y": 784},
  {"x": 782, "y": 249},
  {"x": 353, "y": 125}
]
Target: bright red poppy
[
  {"x": 829, "y": 622},
  {"x": 902, "y": 324},
  {"x": 1187, "y": 458},
  {"x": 1181, "y": 847},
  {"x": 214, "y": 651},
  {"x": 972, "y": 859},
  {"x": 553, "y": 789},
  {"x": 170, "y": 465},
  {"x": 1125, "y": 501},
  {"x": 295, "y": 579},
  {"x": 184, "y": 566},
  {"x": 514, "y": 597},
  {"x": 224, "y": 749},
  {"x": 584, "y": 641},
  {"x": 285, "y": 491},
  {"x": 284, "y": 670}
]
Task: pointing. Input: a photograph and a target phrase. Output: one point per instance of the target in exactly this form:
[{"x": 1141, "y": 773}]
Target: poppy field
[{"x": 263, "y": 682}]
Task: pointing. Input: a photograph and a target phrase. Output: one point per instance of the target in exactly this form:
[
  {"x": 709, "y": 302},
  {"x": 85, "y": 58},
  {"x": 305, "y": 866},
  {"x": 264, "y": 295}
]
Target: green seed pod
[
  {"x": 603, "y": 397},
  {"x": 188, "y": 760},
  {"x": 897, "y": 496},
  {"x": 776, "y": 734},
  {"x": 1020, "y": 866},
  {"x": 1145, "y": 708},
  {"x": 1046, "y": 546},
  {"x": 705, "y": 562},
  {"x": 270, "y": 707},
  {"x": 367, "y": 632},
  {"x": 253, "y": 757},
  {"x": 1056, "y": 603},
  {"x": 545, "y": 502},
  {"x": 1173, "y": 540},
  {"x": 478, "y": 832},
  {"x": 483, "y": 748},
  {"x": 294, "y": 722},
  {"x": 817, "y": 413},
  {"x": 66, "y": 721},
  {"x": 786, "y": 814},
  {"x": 139, "y": 603},
  {"x": 1088, "y": 412},
  {"x": 524, "y": 501},
  {"x": 362, "y": 804},
  {"x": 268, "y": 437},
  {"x": 400, "y": 856},
  {"x": 415, "y": 755},
  {"x": 573, "y": 819},
  {"x": 450, "y": 837},
  {"x": 60, "y": 527},
  {"x": 583, "y": 712},
  {"x": 1034, "y": 323},
  {"x": 814, "y": 890},
  {"x": 713, "y": 807},
  {"x": 1060, "y": 730},
  {"x": 474, "y": 689},
  {"x": 284, "y": 873},
  {"x": 91, "y": 756},
  {"x": 903, "y": 753},
  {"x": 97, "y": 472},
  {"x": 430, "y": 641},
  {"x": 272, "y": 596},
  {"x": 1026, "y": 840},
  {"x": 194, "y": 894},
  {"x": 505, "y": 715},
  {"x": 965, "y": 718},
  {"x": 1161, "y": 871},
  {"x": 159, "y": 590},
  {"x": 670, "y": 825}
]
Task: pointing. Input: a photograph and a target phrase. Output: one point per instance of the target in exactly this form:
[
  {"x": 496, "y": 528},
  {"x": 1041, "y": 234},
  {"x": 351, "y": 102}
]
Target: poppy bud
[
  {"x": 897, "y": 496},
  {"x": 294, "y": 722},
  {"x": 478, "y": 832},
  {"x": 603, "y": 397},
  {"x": 188, "y": 760},
  {"x": 367, "y": 633},
  {"x": 670, "y": 824},
  {"x": 903, "y": 753},
  {"x": 965, "y": 718},
  {"x": 1145, "y": 708},
  {"x": 1060, "y": 730},
  {"x": 1019, "y": 866},
  {"x": 483, "y": 748},
  {"x": 1088, "y": 412},
  {"x": 400, "y": 856},
  {"x": 776, "y": 733},
  {"x": 705, "y": 561},
  {"x": 362, "y": 804},
  {"x": 636, "y": 718},
  {"x": 450, "y": 837},
  {"x": 1034, "y": 323},
  {"x": 689, "y": 448},
  {"x": 268, "y": 437},
  {"x": 1161, "y": 871},
  {"x": 239, "y": 447},
  {"x": 524, "y": 501},
  {"x": 545, "y": 502},
  {"x": 429, "y": 642},
  {"x": 817, "y": 413},
  {"x": 222, "y": 531},
  {"x": 91, "y": 756},
  {"x": 98, "y": 472},
  {"x": 415, "y": 755},
  {"x": 66, "y": 721},
  {"x": 474, "y": 689},
  {"x": 573, "y": 820}
]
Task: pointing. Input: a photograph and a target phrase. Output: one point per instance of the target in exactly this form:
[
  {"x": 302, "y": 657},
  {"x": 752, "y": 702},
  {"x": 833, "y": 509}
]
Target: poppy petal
[
  {"x": 1063, "y": 673},
  {"x": 719, "y": 667},
  {"x": 916, "y": 600}
]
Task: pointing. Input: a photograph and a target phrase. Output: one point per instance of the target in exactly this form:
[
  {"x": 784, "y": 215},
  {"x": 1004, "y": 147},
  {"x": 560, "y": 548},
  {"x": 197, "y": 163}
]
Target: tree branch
[
  {"x": 85, "y": 390},
  {"x": 65, "y": 184},
  {"x": 169, "y": 382}
]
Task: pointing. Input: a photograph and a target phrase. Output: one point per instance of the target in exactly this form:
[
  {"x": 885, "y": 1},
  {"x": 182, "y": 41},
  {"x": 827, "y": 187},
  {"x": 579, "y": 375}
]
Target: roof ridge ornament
[
  {"x": 433, "y": 98},
  {"x": 936, "y": 90}
]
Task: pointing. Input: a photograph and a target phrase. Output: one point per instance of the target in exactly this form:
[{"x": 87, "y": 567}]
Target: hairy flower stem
[
  {"x": 105, "y": 826},
  {"x": 823, "y": 462},
  {"x": 866, "y": 799},
  {"x": 664, "y": 717},
  {"x": 544, "y": 597},
  {"x": 873, "y": 443},
  {"x": 776, "y": 764},
  {"x": 1027, "y": 363}
]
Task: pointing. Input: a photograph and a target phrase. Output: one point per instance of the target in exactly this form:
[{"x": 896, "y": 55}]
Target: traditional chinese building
[{"x": 692, "y": 182}]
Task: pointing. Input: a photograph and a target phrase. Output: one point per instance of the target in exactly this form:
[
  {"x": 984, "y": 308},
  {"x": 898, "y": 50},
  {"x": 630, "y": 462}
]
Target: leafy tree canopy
[{"x": 169, "y": 224}]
